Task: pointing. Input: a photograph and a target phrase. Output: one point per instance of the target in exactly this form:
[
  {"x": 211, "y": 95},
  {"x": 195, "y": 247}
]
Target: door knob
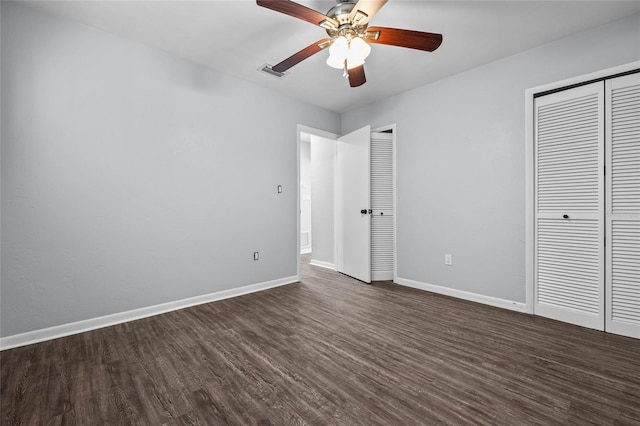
[
  {"x": 565, "y": 216},
  {"x": 363, "y": 211}
]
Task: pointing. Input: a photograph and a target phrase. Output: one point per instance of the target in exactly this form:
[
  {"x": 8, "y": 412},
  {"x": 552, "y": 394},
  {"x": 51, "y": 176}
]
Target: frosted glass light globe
[
  {"x": 360, "y": 47},
  {"x": 339, "y": 48}
]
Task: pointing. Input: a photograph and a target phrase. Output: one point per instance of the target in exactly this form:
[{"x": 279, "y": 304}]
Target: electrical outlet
[
  {"x": 448, "y": 259},
  {"x": 256, "y": 255}
]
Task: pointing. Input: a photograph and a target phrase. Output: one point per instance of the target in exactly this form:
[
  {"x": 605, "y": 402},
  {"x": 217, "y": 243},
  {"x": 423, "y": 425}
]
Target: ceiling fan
[{"x": 349, "y": 34}]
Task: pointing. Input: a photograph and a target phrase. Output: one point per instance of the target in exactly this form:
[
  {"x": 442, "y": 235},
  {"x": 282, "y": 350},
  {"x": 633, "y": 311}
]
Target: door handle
[
  {"x": 363, "y": 211},
  {"x": 565, "y": 216}
]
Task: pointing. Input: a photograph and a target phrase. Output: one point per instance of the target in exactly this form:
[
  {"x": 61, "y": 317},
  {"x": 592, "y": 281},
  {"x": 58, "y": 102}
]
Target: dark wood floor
[{"x": 329, "y": 350}]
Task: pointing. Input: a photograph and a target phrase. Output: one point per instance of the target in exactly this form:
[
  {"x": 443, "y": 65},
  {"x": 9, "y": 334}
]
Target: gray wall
[
  {"x": 461, "y": 159},
  {"x": 132, "y": 178},
  {"x": 323, "y": 157},
  {"x": 126, "y": 181}
]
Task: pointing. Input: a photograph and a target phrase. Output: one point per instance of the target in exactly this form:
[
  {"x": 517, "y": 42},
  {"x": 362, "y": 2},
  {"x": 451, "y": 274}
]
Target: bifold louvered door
[
  {"x": 569, "y": 230},
  {"x": 623, "y": 205},
  {"x": 587, "y": 206},
  {"x": 382, "y": 226}
]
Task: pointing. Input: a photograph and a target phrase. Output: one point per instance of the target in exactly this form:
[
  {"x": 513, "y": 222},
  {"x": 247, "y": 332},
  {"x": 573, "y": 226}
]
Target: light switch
[{"x": 279, "y": 189}]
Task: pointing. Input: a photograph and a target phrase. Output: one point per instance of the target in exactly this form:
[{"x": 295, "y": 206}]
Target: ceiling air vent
[{"x": 269, "y": 70}]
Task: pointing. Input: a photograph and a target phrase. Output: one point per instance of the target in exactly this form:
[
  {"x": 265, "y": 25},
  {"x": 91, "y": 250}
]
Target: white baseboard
[
  {"x": 322, "y": 264},
  {"x": 63, "y": 330},
  {"x": 460, "y": 294}
]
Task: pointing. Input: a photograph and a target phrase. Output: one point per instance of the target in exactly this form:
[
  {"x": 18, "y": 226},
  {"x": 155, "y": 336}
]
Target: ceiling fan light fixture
[
  {"x": 360, "y": 48},
  {"x": 339, "y": 48},
  {"x": 354, "y": 60},
  {"x": 347, "y": 25},
  {"x": 335, "y": 63},
  {"x": 354, "y": 52},
  {"x": 338, "y": 52}
]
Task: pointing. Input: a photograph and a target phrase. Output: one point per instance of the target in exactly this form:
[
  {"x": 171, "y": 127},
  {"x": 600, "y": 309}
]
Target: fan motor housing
[{"x": 341, "y": 12}]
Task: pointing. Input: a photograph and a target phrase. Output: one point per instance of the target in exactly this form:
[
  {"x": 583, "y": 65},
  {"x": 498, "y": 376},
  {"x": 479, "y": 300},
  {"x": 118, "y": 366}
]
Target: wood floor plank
[{"x": 327, "y": 350}]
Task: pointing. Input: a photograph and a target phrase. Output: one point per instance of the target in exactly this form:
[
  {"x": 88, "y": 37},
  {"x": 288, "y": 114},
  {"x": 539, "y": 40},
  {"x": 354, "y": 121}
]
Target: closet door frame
[{"x": 530, "y": 95}]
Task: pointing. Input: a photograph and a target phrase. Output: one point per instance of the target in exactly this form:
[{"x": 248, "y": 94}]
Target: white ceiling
[{"x": 237, "y": 37}]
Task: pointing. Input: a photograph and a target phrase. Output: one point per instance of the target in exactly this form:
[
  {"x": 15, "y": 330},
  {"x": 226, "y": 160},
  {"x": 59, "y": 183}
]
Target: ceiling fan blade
[
  {"x": 299, "y": 11},
  {"x": 356, "y": 76},
  {"x": 300, "y": 56},
  {"x": 404, "y": 38},
  {"x": 364, "y": 10}
]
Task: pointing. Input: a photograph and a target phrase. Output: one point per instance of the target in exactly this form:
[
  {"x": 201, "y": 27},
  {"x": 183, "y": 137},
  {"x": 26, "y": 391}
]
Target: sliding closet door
[
  {"x": 569, "y": 230},
  {"x": 623, "y": 205}
]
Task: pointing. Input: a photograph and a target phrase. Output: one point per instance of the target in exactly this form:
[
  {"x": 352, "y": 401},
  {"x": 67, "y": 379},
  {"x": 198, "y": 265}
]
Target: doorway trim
[{"x": 316, "y": 132}]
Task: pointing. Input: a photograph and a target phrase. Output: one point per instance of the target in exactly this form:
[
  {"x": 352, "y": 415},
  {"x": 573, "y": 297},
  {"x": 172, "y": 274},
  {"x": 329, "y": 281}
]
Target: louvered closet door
[
  {"x": 569, "y": 273},
  {"x": 623, "y": 205},
  {"x": 382, "y": 206}
]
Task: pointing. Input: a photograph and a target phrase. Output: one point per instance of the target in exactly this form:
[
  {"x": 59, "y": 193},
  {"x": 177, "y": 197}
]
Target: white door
[
  {"x": 382, "y": 207},
  {"x": 569, "y": 206},
  {"x": 623, "y": 205},
  {"x": 353, "y": 219}
]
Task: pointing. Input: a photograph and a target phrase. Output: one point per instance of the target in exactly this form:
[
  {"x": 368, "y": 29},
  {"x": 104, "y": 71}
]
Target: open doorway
[
  {"x": 305, "y": 194},
  {"x": 319, "y": 218},
  {"x": 316, "y": 170}
]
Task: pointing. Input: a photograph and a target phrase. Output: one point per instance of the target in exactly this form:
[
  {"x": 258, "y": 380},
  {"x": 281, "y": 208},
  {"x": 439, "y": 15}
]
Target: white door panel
[
  {"x": 382, "y": 207},
  {"x": 569, "y": 206},
  {"x": 623, "y": 205},
  {"x": 353, "y": 228}
]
